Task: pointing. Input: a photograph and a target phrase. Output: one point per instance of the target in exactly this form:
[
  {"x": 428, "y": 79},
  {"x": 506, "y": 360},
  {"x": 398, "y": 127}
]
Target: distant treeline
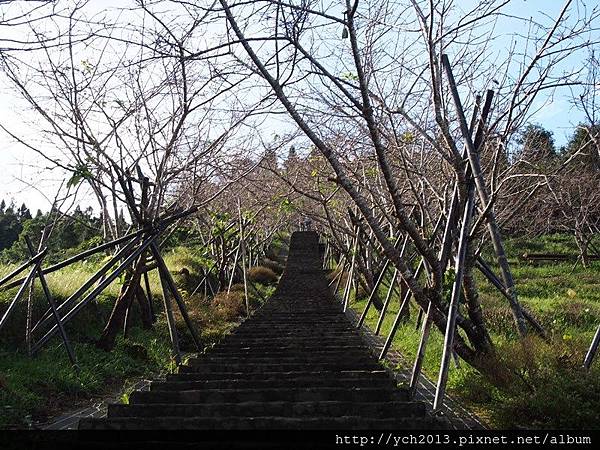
[{"x": 69, "y": 233}]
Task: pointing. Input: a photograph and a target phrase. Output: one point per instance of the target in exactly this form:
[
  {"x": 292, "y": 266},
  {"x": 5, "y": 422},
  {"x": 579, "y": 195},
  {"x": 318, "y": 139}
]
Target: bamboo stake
[
  {"x": 52, "y": 305},
  {"x": 589, "y": 357},
  {"x": 68, "y": 261},
  {"x": 16, "y": 298},
  {"x": 243, "y": 248},
  {"x": 363, "y": 316},
  {"x": 340, "y": 276},
  {"x": 347, "y": 288},
  {"x": 88, "y": 284},
  {"x": 29, "y": 316},
  {"x": 350, "y": 274},
  {"x": 454, "y": 299},
  {"x": 486, "y": 270},
  {"x": 387, "y": 301},
  {"x": 386, "y": 264},
  {"x": 407, "y": 296},
  {"x": 484, "y": 198},
  {"x": 235, "y": 260},
  {"x": 149, "y": 296},
  {"x": 17, "y": 271},
  {"x": 170, "y": 319},
  {"x": 337, "y": 276},
  {"x": 444, "y": 254},
  {"x": 397, "y": 319},
  {"x": 416, "y": 371},
  {"x": 97, "y": 290}
]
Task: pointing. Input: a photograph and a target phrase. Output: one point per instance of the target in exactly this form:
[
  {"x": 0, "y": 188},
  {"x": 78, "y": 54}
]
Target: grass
[
  {"x": 551, "y": 389},
  {"x": 33, "y": 389}
]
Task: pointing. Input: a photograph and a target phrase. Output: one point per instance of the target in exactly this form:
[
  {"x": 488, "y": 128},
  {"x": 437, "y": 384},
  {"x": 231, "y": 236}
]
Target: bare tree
[{"x": 372, "y": 73}]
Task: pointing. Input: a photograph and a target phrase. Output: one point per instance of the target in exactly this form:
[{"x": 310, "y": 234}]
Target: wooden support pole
[
  {"x": 235, "y": 261},
  {"x": 378, "y": 282},
  {"x": 589, "y": 357},
  {"x": 407, "y": 296},
  {"x": 16, "y": 272},
  {"x": 417, "y": 366},
  {"x": 176, "y": 351},
  {"x": 387, "y": 301},
  {"x": 52, "y": 305},
  {"x": 346, "y": 298},
  {"x": 455, "y": 297},
  {"x": 67, "y": 262},
  {"x": 341, "y": 263},
  {"x": 243, "y": 249},
  {"x": 18, "y": 295},
  {"x": 380, "y": 278},
  {"x": 149, "y": 296},
  {"x": 164, "y": 271},
  {"x": 486, "y": 270},
  {"x": 396, "y": 324},
  {"x": 484, "y": 199},
  {"x": 444, "y": 255},
  {"x": 88, "y": 284},
  {"x": 97, "y": 290},
  {"x": 419, "y": 319},
  {"x": 340, "y": 276}
]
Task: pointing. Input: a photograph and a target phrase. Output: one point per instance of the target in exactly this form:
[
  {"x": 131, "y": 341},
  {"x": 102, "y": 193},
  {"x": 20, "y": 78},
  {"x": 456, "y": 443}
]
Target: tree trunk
[
  {"x": 117, "y": 317},
  {"x": 583, "y": 245}
]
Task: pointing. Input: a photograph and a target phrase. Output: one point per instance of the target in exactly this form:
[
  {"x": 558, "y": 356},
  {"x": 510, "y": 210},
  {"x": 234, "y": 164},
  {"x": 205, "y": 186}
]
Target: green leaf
[{"x": 80, "y": 173}]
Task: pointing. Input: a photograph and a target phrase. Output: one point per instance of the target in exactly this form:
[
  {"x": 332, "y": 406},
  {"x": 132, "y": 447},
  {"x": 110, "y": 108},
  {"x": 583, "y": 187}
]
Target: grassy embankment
[
  {"x": 31, "y": 389},
  {"x": 549, "y": 388}
]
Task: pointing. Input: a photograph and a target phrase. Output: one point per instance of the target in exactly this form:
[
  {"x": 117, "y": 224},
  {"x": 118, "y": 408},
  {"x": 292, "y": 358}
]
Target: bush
[
  {"x": 230, "y": 306},
  {"x": 262, "y": 275},
  {"x": 545, "y": 388},
  {"x": 274, "y": 266},
  {"x": 238, "y": 287}
]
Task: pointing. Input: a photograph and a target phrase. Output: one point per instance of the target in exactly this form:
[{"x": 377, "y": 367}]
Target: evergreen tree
[
  {"x": 23, "y": 213},
  {"x": 10, "y": 228},
  {"x": 584, "y": 147},
  {"x": 537, "y": 144}
]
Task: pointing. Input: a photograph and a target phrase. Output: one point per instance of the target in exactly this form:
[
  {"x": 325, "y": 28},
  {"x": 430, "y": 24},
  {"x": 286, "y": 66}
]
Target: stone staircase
[{"x": 297, "y": 363}]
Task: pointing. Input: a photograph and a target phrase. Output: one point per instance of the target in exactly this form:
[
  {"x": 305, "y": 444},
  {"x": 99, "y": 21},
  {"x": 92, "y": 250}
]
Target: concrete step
[
  {"x": 243, "y": 349},
  {"x": 258, "y": 376},
  {"x": 318, "y": 321},
  {"x": 269, "y": 395},
  {"x": 274, "y": 409},
  {"x": 285, "y": 341},
  {"x": 174, "y": 385},
  {"x": 295, "y": 331},
  {"x": 300, "y": 358},
  {"x": 237, "y": 423},
  {"x": 274, "y": 367}
]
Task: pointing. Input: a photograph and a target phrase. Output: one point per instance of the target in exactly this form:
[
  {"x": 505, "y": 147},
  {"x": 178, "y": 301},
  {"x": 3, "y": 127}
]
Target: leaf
[
  {"x": 74, "y": 180},
  {"x": 408, "y": 137},
  {"x": 286, "y": 206},
  {"x": 80, "y": 173}
]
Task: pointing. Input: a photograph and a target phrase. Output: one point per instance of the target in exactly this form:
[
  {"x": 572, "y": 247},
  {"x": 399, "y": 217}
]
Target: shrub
[
  {"x": 262, "y": 275},
  {"x": 237, "y": 287},
  {"x": 274, "y": 266},
  {"x": 230, "y": 306},
  {"x": 544, "y": 386}
]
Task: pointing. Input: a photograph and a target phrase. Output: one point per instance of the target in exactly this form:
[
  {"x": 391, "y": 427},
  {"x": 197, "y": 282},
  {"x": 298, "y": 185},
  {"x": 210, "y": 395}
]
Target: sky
[{"x": 25, "y": 177}]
